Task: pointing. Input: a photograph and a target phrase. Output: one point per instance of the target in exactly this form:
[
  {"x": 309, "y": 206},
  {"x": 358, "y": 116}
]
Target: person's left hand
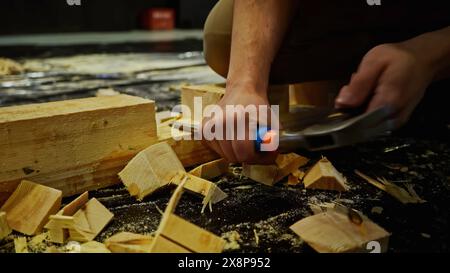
[{"x": 392, "y": 75}]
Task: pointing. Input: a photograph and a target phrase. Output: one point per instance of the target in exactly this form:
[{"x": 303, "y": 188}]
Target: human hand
[
  {"x": 231, "y": 147},
  {"x": 392, "y": 75}
]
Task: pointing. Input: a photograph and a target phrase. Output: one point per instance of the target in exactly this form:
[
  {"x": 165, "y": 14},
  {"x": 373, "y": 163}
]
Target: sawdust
[
  {"x": 9, "y": 67},
  {"x": 232, "y": 239}
]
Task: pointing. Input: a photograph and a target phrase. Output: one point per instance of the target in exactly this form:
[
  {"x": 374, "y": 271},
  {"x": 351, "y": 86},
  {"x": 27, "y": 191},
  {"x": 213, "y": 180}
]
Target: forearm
[
  {"x": 258, "y": 30},
  {"x": 434, "y": 48}
]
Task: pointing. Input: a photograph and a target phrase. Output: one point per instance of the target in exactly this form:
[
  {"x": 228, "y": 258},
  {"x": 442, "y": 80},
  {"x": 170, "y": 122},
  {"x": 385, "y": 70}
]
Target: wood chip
[
  {"x": 333, "y": 231},
  {"x": 127, "y": 242},
  {"x": 211, "y": 169},
  {"x": 94, "y": 247},
  {"x": 5, "y": 230},
  {"x": 285, "y": 164},
  {"x": 395, "y": 191},
  {"x": 20, "y": 245},
  {"x": 324, "y": 176},
  {"x": 28, "y": 208}
]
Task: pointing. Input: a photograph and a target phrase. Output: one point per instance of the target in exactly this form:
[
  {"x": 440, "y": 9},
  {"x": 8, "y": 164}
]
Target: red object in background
[{"x": 159, "y": 19}]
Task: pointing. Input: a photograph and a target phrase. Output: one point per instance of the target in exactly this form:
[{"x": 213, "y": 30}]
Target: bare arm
[{"x": 258, "y": 30}]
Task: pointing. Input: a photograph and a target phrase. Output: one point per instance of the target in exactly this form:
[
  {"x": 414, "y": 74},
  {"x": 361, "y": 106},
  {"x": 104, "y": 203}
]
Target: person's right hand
[{"x": 239, "y": 150}]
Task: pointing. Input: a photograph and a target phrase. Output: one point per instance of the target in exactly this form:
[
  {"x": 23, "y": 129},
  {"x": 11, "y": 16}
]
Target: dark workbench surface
[{"x": 418, "y": 154}]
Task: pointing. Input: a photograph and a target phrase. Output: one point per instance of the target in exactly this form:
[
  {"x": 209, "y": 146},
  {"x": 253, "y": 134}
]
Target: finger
[
  {"x": 361, "y": 85},
  {"x": 385, "y": 96}
]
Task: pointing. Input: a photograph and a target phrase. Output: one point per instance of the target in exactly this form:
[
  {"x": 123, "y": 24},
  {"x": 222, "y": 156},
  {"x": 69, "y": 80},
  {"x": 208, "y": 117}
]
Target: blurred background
[{"x": 51, "y": 16}]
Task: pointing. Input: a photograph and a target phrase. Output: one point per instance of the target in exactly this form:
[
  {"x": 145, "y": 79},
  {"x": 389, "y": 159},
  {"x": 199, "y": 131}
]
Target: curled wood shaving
[{"x": 395, "y": 191}]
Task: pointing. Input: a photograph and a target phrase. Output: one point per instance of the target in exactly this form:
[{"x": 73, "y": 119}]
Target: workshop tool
[{"x": 323, "y": 128}]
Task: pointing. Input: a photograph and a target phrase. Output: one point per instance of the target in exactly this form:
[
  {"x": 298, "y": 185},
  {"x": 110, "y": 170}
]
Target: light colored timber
[
  {"x": 191, "y": 236},
  {"x": 211, "y": 169},
  {"x": 73, "y": 145},
  {"x": 127, "y": 242},
  {"x": 324, "y": 176},
  {"x": 89, "y": 221},
  {"x": 212, "y": 93},
  {"x": 209, "y": 94},
  {"x": 5, "y": 230},
  {"x": 58, "y": 224},
  {"x": 94, "y": 247},
  {"x": 28, "y": 208},
  {"x": 176, "y": 235},
  {"x": 334, "y": 232},
  {"x": 399, "y": 193},
  {"x": 207, "y": 189},
  {"x": 271, "y": 174},
  {"x": 295, "y": 177},
  {"x": 21, "y": 245},
  {"x": 190, "y": 152},
  {"x": 150, "y": 170},
  {"x": 158, "y": 166}
]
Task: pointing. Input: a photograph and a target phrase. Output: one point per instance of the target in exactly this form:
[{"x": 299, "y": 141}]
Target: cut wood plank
[
  {"x": 73, "y": 145},
  {"x": 395, "y": 191},
  {"x": 211, "y": 169},
  {"x": 191, "y": 236},
  {"x": 5, "y": 230},
  {"x": 190, "y": 152},
  {"x": 324, "y": 176},
  {"x": 89, "y": 221},
  {"x": 29, "y": 207},
  {"x": 270, "y": 174},
  {"x": 295, "y": 178},
  {"x": 209, "y": 94},
  {"x": 127, "y": 242},
  {"x": 176, "y": 235},
  {"x": 57, "y": 226},
  {"x": 332, "y": 231},
  {"x": 164, "y": 245},
  {"x": 212, "y": 93},
  {"x": 21, "y": 245},
  {"x": 150, "y": 170},
  {"x": 94, "y": 247}
]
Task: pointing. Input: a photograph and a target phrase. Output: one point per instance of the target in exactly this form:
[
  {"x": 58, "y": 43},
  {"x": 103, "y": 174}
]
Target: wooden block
[
  {"x": 210, "y": 94},
  {"x": 58, "y": 224},
  {"x": 191, "y": 236},
  {"x": 127, "y": 242},
  {"x": 211, "y": 169},
  {"x": 21, "y": 245},
  {"x": 29, "y": 207},
  {"x": 163, "y": 245},
  {"x": 289, "y": 163},
  {"x": 264, "y": 174},
  {"x": 73, "y": 145},
  {"x": 5, "y": 230},
  {"x": 332, "y": 231},
  {"x": 150, "y": 170},
  {"x": 324, "y": 176},
  {"x": 89, "y": 221},
  {"x": 175, "y": 235},
  {"x": 190, "y": 152},
  {"x": 271, "y": 174},
  {"x": 94, "y": 247}
]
